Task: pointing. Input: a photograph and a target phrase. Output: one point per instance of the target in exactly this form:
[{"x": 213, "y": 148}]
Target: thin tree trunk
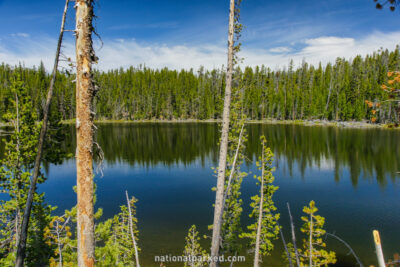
[
  {"x": 293, "y": 237},
  {"x": 232, "y": 262},
  {"x": 25, "y": 221},
  {"x": 348, "y": 246},
  {"x": 131, "y": 230},
  {"x": 59, "y": 245},
  {"x": 310, "y": 241},
  {"x": 191, "y": 260},
  {"x": 285, "y": 247},
  {"x": 228, "y": 186},
  {"x": 329, "y": 95},
  {"x": 18, "y": 177},
  {"x": 260, "y": 215},
  {"x": 378, "y": 248},
  {"x": 84, "y": 131},
  {"x": 218, "y": 209}
]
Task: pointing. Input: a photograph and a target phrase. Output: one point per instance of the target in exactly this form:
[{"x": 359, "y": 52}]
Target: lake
[{"x": 350, "y": 173}]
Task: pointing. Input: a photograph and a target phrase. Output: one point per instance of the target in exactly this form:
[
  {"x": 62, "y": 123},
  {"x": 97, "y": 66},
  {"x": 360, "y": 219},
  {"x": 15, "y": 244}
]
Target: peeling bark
[{"x": 84, "y": 132}]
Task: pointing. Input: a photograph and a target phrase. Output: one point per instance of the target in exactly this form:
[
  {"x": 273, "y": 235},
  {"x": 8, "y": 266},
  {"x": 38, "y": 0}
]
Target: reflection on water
[
  {"x": 372, "y": 153},
  {"x": 350, "y": 173}
]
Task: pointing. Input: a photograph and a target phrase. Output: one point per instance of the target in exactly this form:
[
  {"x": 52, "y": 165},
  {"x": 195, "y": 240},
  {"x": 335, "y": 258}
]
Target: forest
[
  {"x": 244, "y": 227},
  {"x": 337, "y": 91}
]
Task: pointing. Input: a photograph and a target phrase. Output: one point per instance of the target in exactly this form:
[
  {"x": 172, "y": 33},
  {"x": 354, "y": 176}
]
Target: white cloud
[
  {"x": 20, "y": 34},
  {"x": 280, "y": 49},
  {"x": 126, "y": 52}
]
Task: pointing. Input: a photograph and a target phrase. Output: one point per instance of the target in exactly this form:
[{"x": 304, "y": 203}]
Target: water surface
[{"x": 350, "y": 173}]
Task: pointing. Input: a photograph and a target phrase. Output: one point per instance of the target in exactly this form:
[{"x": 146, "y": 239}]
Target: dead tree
[
  {"x": 378, "y": 248},
  {"x": 348, "y": 246},
  {"x": 218, "y": 208},
  {"x": 85, "y": 92},
  {"x": 131, "y": 230},
  {"x": 23, "y": 235},
  {"x": 285, "y": 247},
  {"x": 293, "y": 236}
]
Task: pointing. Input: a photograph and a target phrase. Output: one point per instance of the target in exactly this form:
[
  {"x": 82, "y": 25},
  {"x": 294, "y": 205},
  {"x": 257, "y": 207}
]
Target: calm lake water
[{"x": 350, "y": 173}]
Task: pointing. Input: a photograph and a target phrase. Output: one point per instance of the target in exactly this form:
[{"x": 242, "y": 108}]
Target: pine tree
[
  {"x": 314, "y": 253},
  {"x": 118, "y": 249},
  {"x": 265, "y": 228},
  {"x": 194, "y": 254},
  {"x": 15, "y": 178}
]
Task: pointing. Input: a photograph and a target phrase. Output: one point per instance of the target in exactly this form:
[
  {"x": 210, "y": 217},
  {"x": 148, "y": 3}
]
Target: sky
[{"x": 192, "y": 33}]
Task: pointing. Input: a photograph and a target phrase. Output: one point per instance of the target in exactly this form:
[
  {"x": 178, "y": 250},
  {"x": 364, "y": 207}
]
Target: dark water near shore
[{"x": 350, "y": 173}]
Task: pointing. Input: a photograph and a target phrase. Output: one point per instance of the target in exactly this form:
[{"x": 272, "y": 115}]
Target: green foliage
[
  {"x": 336, "y": 91},
  {"x": 118, "y": 249},
  {"x": 15, "y": 172},
  {"x": 193, "y": 251},
  {"x": 313, "y": 246},
  {"x": 269, "y": 227},
  {"x": 231, "y": 227},
  {"x": 114, "y": 246},
  {"x": 291, "y": 252}
]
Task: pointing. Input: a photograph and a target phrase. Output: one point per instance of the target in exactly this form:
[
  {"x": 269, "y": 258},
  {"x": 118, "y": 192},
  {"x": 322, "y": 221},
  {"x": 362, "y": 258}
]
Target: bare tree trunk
[
  {"x": 25, "y": 221},
  {"x": 260, "y": 215},
  {"x": 310, "y": 240},
  {"x": 131, "y": 230},
  {"x": 348, "y": 246},
  {"x": 228, "y": 186},
  {"x": 18, "y": 177},
  {"x": 285, "y": 247},
  {"x": 218, "y": 208},
  {"x": 59, "y": 245},
  {"x": 378, "y": 248},
  {"x": 329, "y": 95},
  {"x": 84, "y": 131},
  {"x": 293, "y": 237}
]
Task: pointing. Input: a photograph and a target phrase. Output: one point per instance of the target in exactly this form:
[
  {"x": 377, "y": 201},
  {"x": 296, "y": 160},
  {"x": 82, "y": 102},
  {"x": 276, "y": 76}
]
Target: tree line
[{"x": 337, "y": 91}]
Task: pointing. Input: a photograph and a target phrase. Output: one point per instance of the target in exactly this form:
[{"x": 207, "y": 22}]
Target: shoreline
[{"x": 309, "y": 123}]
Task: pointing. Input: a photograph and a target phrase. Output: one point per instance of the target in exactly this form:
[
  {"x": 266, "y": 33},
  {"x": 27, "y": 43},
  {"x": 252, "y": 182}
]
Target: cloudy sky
[{"x": 192, "y": 33}]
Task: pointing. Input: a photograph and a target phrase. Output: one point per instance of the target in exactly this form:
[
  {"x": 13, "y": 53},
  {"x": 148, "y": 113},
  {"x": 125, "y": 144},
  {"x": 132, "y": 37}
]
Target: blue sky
[{"x": 183, "y": 34}]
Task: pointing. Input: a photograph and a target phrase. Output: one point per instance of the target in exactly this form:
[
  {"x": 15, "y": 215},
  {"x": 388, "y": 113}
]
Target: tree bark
[
  {"x": 84, "y": 132},
  {"x": 293, "y": 236},
  {"x": 260, "y": 215},
  {"x": 218, "y": 208},
  {"x": 131, "y": 230},
  {"x": 25, "y": 221},
  {"x": 310, "y": 240},
  {"x": 285, "y": 247},
  {"x": 228, "y": 186},
  {"x": 378, "y": 249}
]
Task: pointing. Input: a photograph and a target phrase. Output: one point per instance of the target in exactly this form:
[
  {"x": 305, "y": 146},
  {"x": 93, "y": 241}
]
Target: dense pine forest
[{"x": 336, "y": 91}]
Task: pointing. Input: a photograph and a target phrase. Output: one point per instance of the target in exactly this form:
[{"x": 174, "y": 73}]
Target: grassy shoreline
[{"x": 311, "y": 123}]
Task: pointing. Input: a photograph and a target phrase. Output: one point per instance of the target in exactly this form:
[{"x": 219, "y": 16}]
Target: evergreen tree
[
  {"x": 336, "y": 91},
  {"x": 193, "y": 252},
  {"x": 265, "y": 228},
  {"x": 15, "y": 175},
  {"x": 313, "y": 253}
]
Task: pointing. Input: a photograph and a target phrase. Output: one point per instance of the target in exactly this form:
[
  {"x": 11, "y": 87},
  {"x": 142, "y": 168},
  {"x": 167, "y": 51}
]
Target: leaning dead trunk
[
  {"x": 84, "y": 131},
  {"x": 293, "y": 236},
  {"x": 218, "y": 209},
  {"x": 260, "y": 216},
  {"x": 23, "y": 235},
  {"x": 131, "y": 230}
]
